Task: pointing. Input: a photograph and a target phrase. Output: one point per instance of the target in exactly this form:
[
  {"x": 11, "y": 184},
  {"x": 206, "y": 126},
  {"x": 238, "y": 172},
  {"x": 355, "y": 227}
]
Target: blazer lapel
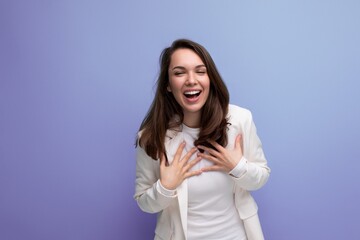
[
  {"x": 182, "y": 193},
  {"x": 172, "y": 142}
]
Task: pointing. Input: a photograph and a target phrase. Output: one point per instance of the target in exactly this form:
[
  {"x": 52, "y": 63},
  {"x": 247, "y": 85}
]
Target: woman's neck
[{"x": 192, "y": 120}]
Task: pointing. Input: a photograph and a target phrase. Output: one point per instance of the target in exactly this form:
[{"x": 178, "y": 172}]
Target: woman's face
[{"x": 189, "y": 83}]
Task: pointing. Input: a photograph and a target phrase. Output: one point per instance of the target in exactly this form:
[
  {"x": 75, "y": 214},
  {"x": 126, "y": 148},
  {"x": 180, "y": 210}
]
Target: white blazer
[{"x": 172, "y": 211}]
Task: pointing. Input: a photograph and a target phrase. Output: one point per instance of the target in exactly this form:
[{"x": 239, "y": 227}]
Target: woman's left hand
[{"x": 223, "y": 159}]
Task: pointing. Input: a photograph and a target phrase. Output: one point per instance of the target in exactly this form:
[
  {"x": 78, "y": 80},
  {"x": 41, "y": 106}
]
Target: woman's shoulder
[
  {"x": 239, "y": 112},
  {"x": 239, "y": 116}
]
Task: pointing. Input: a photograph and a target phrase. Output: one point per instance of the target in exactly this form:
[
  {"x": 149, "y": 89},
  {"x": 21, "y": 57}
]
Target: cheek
[
  {"x": 207, "y": 87},
  {"x": 207, "y": 94},
  {"x": 206, "y": 84},
  {"x": 174, "y": 86},
  {"x": 170, "y": 86}
]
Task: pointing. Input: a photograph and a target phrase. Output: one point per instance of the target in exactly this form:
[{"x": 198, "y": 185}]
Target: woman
[{"x": 197, "y": 156}]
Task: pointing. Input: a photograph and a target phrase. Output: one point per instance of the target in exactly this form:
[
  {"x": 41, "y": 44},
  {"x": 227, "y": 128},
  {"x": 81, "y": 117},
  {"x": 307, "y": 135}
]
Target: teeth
[{"x": 191, "y": 92}]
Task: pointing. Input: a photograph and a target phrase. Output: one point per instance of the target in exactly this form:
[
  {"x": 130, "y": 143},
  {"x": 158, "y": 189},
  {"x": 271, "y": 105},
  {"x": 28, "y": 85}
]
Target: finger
[
  {"x": 216, "y": 145},
  {"x": 179, "y": 152},
  {"x": 162, "y": 160},
  {"x": 212, "y": 168},
  {"x": 193, "y": 173},
  {"x": 241, "y": 144},
  {"x": 192, "y": 163},
  {"x": 187, "y": 156},
  {"x": 210, "y": 151},
  {"x": 238, "y": 142},
  {"x": 210, "y": 158}
]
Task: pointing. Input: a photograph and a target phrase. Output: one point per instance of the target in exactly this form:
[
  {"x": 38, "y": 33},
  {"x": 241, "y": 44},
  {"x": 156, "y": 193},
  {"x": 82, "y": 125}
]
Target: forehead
[{"x": 185, "y": 57}]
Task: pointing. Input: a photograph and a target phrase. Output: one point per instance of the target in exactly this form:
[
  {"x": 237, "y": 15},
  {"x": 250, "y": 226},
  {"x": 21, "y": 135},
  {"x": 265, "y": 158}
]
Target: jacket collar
[{"x": 172, "y": 142}]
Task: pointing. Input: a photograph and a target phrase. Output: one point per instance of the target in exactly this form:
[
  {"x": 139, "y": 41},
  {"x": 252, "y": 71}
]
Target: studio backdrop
[{"x": 77, "y": 78}]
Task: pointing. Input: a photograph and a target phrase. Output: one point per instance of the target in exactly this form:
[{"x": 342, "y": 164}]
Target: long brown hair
[{"x": 165, "y": 113}]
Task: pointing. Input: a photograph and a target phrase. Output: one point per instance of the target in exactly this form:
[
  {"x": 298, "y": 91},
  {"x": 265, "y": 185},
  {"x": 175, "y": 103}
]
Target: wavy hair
[{"x": 165, "y": 113}]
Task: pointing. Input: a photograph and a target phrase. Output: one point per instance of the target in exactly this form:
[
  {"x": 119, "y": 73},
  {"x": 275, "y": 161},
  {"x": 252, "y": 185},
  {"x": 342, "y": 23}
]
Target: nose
[{"x": 191, "y": 80}]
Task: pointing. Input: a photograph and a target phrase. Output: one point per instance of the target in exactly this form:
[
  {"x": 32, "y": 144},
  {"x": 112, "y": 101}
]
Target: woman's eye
[
  {"x": 178, "y": 73},
  {"x": 201, "y": 72}
]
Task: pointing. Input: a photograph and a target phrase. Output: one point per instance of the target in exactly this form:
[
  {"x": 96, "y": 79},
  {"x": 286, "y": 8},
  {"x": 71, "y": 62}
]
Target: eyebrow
[{"x": 181, "y": 67}]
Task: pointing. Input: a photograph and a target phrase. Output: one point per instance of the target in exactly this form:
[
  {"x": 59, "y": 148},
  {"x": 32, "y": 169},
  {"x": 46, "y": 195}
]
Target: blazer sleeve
[
  {"x": 256, "y": 172},
  {"x": 147, "y": 190}
]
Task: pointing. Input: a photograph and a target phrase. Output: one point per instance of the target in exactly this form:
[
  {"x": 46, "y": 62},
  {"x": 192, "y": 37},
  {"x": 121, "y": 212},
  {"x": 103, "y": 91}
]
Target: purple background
[{"x": 76, "y": 79}]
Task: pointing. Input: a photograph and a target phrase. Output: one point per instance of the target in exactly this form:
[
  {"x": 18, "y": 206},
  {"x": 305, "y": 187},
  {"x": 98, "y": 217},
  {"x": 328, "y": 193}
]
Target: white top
[
  {"x": 211, "y": 213},
  {"x": 250, "y": 174}
]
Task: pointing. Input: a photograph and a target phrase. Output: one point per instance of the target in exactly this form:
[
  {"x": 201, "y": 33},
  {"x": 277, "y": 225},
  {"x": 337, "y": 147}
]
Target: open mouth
[{"x": 192, "y": 94}]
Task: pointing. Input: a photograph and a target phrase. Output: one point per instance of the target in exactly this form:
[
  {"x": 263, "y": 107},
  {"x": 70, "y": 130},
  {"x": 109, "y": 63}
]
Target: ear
[{"x": 168, "y": 88}]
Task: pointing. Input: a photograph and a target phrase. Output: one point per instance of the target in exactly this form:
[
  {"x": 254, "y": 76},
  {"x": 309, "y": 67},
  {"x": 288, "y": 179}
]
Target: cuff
[
  {"x": 240, "y": 169},
  {"x": 162, "y": 190}
]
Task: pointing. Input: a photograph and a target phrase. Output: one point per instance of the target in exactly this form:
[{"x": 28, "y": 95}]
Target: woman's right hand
[{"x": 173, "y": 175}]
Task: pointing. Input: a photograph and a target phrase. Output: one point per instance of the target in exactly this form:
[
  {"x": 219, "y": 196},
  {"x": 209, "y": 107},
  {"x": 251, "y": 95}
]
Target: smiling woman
[
  {"x": 197, "y": 155},
  {"x": 189, "y": 83}
]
